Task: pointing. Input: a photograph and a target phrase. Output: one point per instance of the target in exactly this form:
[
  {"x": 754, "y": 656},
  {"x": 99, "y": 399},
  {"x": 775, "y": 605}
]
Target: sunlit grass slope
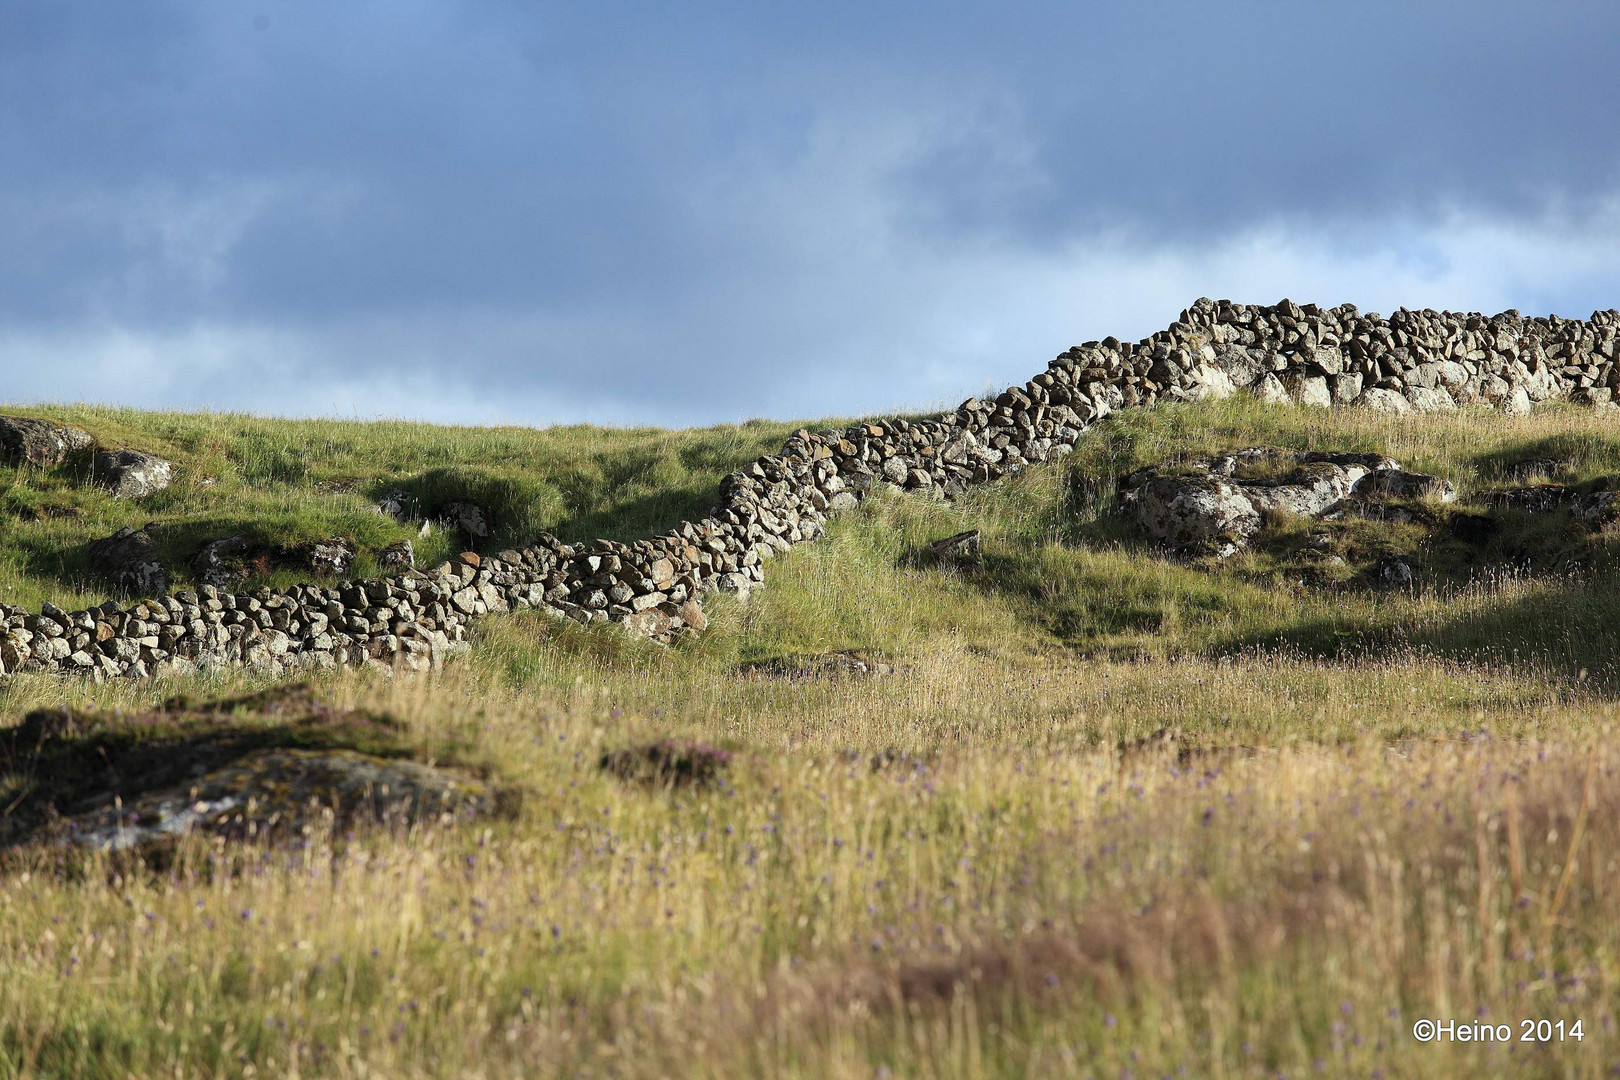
[
  {"x": 1112, "y": 815},
  {"x": 290, "y": 482}
]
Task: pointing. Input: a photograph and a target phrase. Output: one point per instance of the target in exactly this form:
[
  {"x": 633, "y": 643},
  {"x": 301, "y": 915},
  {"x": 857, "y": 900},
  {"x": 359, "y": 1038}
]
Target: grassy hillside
[
  {"x": 291, "y": 482},
  {"x": 1112, "y": 813}
]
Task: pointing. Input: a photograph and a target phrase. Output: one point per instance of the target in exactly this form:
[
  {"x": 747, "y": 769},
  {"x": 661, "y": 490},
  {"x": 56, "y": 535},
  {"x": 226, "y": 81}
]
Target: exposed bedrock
[
  {"x": 1218, "y": 504},
  {"x": 129, "y": 560},
  {"x": 24, "y": 440},
  {"x": 1409, "y": 361}
]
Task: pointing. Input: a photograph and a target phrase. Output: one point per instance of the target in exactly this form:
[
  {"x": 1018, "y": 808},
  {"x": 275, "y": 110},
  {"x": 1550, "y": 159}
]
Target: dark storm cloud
[{"x": 684, "y": 212}]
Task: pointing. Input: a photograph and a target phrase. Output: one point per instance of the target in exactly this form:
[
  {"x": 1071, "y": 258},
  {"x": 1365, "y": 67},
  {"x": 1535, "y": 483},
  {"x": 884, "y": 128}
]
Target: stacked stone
[{"x": 1413, "y": 360}]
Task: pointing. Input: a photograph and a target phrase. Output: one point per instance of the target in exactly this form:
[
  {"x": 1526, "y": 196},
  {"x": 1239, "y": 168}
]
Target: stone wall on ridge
[{"x": 1408, "y": 361}]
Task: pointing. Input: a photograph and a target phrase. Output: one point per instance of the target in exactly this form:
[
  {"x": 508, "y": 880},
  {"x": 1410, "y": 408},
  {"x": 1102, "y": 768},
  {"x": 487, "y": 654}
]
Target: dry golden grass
[{"x": 1011, "y": 894}]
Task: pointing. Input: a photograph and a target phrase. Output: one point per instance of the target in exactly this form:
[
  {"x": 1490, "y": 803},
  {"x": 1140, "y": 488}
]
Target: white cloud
[{"x": 897, "y": 324}]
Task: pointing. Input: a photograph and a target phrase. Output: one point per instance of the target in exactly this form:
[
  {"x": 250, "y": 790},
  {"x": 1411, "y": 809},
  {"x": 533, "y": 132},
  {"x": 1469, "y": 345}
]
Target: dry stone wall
[{"x": 1411, "y": 360}]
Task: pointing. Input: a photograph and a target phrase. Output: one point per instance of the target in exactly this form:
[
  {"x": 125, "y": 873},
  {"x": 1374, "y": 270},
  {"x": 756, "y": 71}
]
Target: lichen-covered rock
[
  {"x": 1218, "y": 504},
  {"x": 470, "y": 519},
  {"x": 27, "y": 440},
  {"x": 130, "y": 474},
  {"x": 1397, "y": 483},
  {"x": 280, "y": 791},
  {"x": 331, "y": 557},
  {"x": 1189, "y": 511},
  {"x": 220, "y": 563},
  {"x": 129, "y": 560}
]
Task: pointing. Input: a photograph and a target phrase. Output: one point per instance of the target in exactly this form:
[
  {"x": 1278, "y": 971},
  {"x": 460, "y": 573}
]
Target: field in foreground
[{"x": 1109, "y": 815}]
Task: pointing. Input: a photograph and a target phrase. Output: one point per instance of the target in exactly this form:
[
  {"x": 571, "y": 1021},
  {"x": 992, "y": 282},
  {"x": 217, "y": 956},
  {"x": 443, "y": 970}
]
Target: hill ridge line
[{"x": 1410, "y": 361}]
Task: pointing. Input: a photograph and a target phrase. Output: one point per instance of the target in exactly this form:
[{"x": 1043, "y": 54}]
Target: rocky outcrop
[
  {"x": 130, "y": 474},
  {"x": 222, "y": 563},
  {"x": 1217, "y": 505},
  {"x": 1410, "y": 361},
  {"x": 116, "y": 781},
  {"x": 28, "y": 441},
  {"x": 332, "y": 557},
  {"x": 129, "y": 560},
  {"x": 470, "y": 519}
]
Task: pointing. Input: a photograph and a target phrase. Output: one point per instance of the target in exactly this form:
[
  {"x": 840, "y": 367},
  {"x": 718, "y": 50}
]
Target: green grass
[
  {"x": 1113, "y": 812},
  {"x": 291, "y": 482}
]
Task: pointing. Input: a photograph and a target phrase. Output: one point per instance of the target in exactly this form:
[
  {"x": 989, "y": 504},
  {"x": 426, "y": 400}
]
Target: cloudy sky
[{"x": 515, "y": 211}]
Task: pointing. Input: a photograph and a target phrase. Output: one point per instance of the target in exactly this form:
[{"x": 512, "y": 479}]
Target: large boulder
[
  {"x": 1189, "y": 511},
  {"x": 1387, "y": 401},
  {"x": 130, "y": 474},
  {"x": 25, "y": 440},
  {"x": 128, "y": 559}
]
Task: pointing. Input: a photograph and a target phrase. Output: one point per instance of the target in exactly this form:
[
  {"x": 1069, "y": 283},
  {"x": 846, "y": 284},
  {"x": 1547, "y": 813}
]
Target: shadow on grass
[
  {"x": 1561, "y": 628},
  {"x": 1567, "y": 457},
  {"x": 518, "y": 507},
  {"x": 1508, "y": 590}
]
